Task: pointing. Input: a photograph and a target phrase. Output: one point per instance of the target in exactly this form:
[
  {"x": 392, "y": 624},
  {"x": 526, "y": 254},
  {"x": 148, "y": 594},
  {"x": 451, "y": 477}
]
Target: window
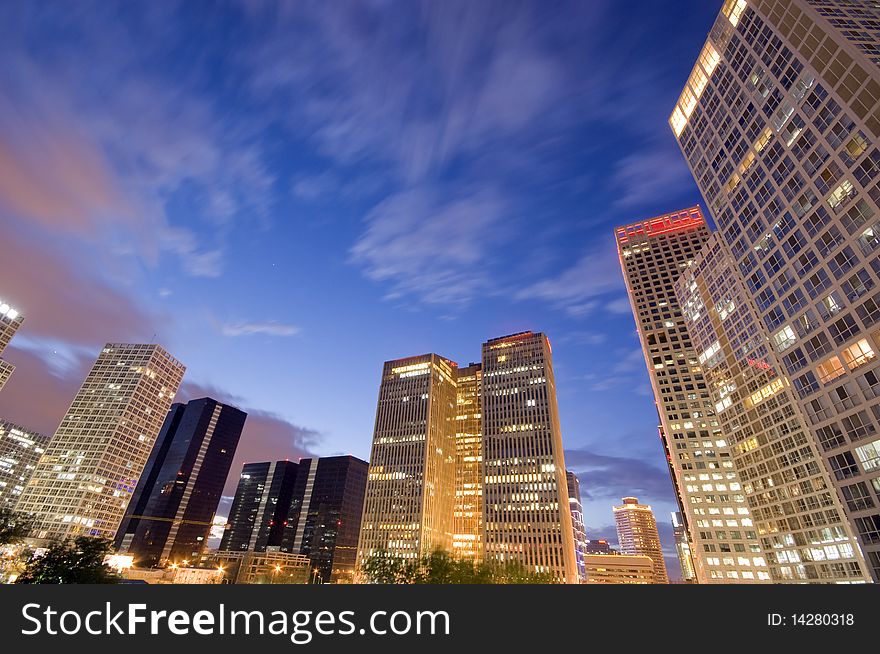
[
  {"x": 869, "y": 528},
  {"x": 844, "y": 329},
  {"x": 858, "y": 497},
  {"x": 843, "y": 465},
  {"x": 830, "y": 369},
  {"x": 858, "y": 354},
  {"x": 869, "y": 456},
  {"x": 784, "y": 338}
]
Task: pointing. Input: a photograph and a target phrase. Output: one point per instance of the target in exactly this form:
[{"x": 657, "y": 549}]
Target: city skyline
[{"x": 322, "y": 243}]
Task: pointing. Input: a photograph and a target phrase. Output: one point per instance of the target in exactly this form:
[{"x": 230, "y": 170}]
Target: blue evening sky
[{"x": 287, "y": 194}]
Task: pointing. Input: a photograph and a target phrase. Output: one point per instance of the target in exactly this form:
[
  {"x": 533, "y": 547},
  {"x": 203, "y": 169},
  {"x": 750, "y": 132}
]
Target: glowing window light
[{"x": 733, "y": 10}]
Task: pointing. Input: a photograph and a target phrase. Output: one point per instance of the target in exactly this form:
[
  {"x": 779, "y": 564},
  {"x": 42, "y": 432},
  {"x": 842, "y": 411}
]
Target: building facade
[
  {"x": 20, "y": 451},
  {"x": 172, "y": 509},
  {"x": 653, "y": 255},
  {"x": 92, "y": 465},
  {"x": 577, "y": 521},
  {"x": 10, "y": 321},
  {"x": 637, "y": 534},
  {"x": 526, "y": 515},
  {"x": 325, "y": 516},
  {"x": 619, "y": 569},
  {"x": 467, "y": 533},
  {"x": 779, "y": 123},
  {"x": 260, "y": 508},
  {"x": 683, "y": 547},
  {"x": 410, "y": 497},
  {"x": 800, "y": 521}
]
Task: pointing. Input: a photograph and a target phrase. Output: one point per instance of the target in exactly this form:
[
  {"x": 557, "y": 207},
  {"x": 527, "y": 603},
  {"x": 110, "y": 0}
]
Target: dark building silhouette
[
  {"x": 261, "y": 506},
  {"x": 170, "y": 514},
  {"x": 325, "y": 515}
]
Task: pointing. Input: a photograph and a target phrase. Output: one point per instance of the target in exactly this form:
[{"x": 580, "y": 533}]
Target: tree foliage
[
  {"x": 440, "y": 567},
  {"x": 14, "y": 527},
  {"x": 77, "y": 561}
]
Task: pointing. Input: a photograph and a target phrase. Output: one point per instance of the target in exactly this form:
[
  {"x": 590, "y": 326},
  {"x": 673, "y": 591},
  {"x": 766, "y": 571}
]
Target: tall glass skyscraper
[
  {"x": 20, "y": 451},
  {"x": 173, "y": 506},
  {"x": 653, "y": 255},
  {"x": 467, "y": 536},
  {"x": 10, "y": 321},
  {"x": 261, "y": 506},
  {"x": 779, "y": 123},
  {"x": 637, "y": 534},
  {"x": 801, "y": 523},
  {"x": 325, "y": 515},
  {"x": 577, "y": 521},
  {"x": 410, "y": 496},
  {"x": 526, "y": 515},
  {"x": 92, "y": 465}
]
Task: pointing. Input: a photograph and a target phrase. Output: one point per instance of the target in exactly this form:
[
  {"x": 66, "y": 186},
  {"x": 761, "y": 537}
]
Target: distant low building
[
  {"x": 266, "y": 567},
  {"x": 175, "y": 575},
  {"x": 619, "y": 569}
]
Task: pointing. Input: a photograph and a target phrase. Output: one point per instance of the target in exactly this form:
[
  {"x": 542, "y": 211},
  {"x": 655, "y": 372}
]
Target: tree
[
  {"x": 77, "y": 561},
  {"x": 440, "y": 567},
  {"x": 14, "y": 527}
]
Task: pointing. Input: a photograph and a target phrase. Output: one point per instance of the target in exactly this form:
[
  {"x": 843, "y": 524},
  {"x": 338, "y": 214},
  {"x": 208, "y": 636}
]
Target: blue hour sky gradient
[{"x": 287, "y": 194}]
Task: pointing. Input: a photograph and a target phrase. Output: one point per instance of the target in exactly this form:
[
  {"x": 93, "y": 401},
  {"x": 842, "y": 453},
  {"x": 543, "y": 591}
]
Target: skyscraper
[
  {"x": 779, "y": 123},
  {"x": 683, "y": 547},
  {"x": 261, "y": 506},
  {"x": 84, "y": 481},
  {"x": 20, "y": 450},
  {"x": 637, "y": 534},
  {"x": 10, "y": 321},
  {"x": 410, "y": 496},
  {"x": 467, "y": 537},
  {"x": 526, "y": 516},
  {"x": 173, "y": 506},
  {"x": 802, "y": 526},
  {"x": 325, "y": 515},
  {"x": 577, "y": 520},
  {"x": 653, "y": 255}
]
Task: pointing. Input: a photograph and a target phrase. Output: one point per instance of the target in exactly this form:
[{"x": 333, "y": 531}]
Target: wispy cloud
[
  {"x": 430, "y": 245},
  {"x": 579, "y": 288},
  {"x": 650, "y": 176},
  {"x": 252, "y": 328}
]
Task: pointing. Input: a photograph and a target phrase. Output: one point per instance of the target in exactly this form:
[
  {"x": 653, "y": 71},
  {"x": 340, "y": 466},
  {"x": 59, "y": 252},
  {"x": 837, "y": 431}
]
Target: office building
[
  {"x": 577, "y": 521},
  {"x": 467, "y": 536},
  {"x": 261, "y": 507},
  {"x": 683, "y": 547},
  {"x": 653, "y": 254},
  {"x": 10, "y": 321},
  {"x": 637, "y": 534},
  {"x": 410, "y": 496},
  {"x": 779, "y": 123},
  {"x": 619, "y": 569},
  {"x": 802, "y": 526},
  {"x": 526, "y": 515},
  {"x": 20, "y": 450},
  {"x": 172, "y": 509},
  {"x": 92, "y": 465},
  {"x": 325, "y": 516},
  {"x": 600, "y": 546}
]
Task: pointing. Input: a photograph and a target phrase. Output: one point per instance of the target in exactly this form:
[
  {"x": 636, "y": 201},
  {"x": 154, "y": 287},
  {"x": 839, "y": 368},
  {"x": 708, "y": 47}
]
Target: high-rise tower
[
  {"x": 410, "y": 496},
  {"x": 577, "y": 521},
  {"x": 173, "y": 506},
  {"x": 779, "y": 122},
  {"x": 467, "y": 537},
  {"x": 10, "y": 321},
  {"x": 526, "y": 516},
  {"x": 653, "y": 255},
  {"x": 20, "y": 451},
  {"x": 92, "y": 465},
  {"x": 637, "y": 534}
]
